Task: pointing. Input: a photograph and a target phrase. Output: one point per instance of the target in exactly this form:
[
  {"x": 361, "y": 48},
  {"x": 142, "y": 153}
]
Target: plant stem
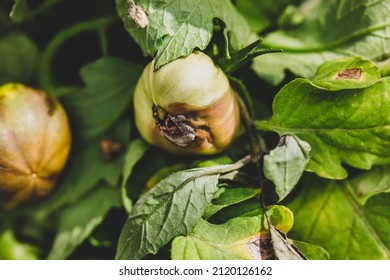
[
  {"x": 256, "y": 153},
  {"x": 256, "y": 156},
  {"x": 45, "y": 76}
]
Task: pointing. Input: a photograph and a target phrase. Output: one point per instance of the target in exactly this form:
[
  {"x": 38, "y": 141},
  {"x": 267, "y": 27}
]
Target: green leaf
[
  {"x": 236, "y": 59},
  {"x": 171, "y": 208},
  {"x": 346, "y": 126},
  {"x": 280, "y": 217},
  {"x": 247, "y": 208},
  {"x": 285, "y": 164},
  {"x": 373, "y": 182},
  {"x": 95, "y": 114},
  {"x": 260, "y": 14},
  {"x": 229, "y": 196},
  {"x": 20, "y": 11},
  {"x": 329, "y": 29},
  {"x": 19, "y": 56},
  {"x": 134, "y": 153},
  {"x": 327, "y": 214},
  {"x": 12, "y": 249},
  {"x": 78, "y": 221},
  {"x": 312, "y": 252},
  {"x": 346, "y": 73},
  {"x": 238, "y": 238},
  {"x": 176, "y": 28},
  {"x": 165, "y": 172},
  {"x": 229, "y": 241},
  {"x": 85, "y": 169},
  {"x": 109, "y": 85}
]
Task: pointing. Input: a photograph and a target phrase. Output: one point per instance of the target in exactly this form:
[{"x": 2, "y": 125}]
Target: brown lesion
[
  {"x": 193, "y": 129},
  {"x": 181, "y": 129},
  {"x": 260, "y": 247},
  {"x": 352, "y": 73}
]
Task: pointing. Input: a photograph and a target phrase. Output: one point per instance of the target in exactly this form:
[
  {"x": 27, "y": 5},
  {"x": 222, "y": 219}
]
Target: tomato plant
[{"x": 211, "y": 130}]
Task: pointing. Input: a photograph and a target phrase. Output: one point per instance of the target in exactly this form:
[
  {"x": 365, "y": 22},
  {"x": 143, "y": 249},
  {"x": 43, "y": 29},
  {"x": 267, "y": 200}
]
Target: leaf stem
[
  {"x": 44, "y": 7},
  {"x": 45, "y": 75},
  {"x": 240, "y": 86},
  {"x": 230, "y": 167},
  {"x": 305, "y": 47}
]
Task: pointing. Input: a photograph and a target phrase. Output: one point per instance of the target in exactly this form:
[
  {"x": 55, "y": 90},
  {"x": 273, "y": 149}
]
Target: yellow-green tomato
[
  {"x": 187, "y": 106},
  {"x": 35, "y": 141}
]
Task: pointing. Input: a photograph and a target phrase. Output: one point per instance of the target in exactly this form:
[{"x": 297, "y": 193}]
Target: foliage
[{"x": 307, "y": 177}]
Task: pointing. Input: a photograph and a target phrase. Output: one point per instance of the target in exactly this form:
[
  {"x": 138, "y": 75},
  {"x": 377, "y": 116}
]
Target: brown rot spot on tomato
[
  {"x": 353, "y": 73},
  {"x": 175, "y": 128},
  {"x": 187, "y": 106}
]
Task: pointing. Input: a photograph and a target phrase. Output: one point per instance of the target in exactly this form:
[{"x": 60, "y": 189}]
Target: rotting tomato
[{"x": 187, "y": 106}]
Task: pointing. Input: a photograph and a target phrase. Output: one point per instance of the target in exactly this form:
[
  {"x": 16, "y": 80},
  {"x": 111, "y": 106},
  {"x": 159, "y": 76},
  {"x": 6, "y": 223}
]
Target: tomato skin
[
  {"x": 186, "y": 106},
  {"x": 35, "y": 141}
]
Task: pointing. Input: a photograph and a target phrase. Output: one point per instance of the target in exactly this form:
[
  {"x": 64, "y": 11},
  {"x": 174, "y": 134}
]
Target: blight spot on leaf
[
  {"x": 253, "y": 247},
  {"x": 138, "y": 14},
  {"x": 353, "y": 73},
  {"x": 260, "y": 247}
]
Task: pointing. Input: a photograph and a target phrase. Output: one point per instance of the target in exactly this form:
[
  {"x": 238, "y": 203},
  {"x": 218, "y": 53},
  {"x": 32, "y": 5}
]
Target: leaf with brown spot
[
  {"x": 346, "y": 73},
  {"x": 243, "y": 237},
  {"x": 350, "y": 126}
]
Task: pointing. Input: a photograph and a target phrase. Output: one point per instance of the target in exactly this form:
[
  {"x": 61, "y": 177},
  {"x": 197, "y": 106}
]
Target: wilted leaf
[
  {"x": 238, "y": 238},
  {"x": 283, "y": 248},
  {"x": 327, "y": 214},
  {"x": 176, "y": 28},
  {"x": 285, "y": 164},
  {"x": 78, "y": 221},
  {"x": 328, "y": 29},
  {"x": 346, "y": 126},
  {"x": 169, "y": 209}
]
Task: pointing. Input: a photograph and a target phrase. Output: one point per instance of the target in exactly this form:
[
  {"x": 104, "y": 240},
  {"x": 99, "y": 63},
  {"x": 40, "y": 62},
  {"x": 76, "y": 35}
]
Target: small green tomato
[{"x": 186, "y": 106}]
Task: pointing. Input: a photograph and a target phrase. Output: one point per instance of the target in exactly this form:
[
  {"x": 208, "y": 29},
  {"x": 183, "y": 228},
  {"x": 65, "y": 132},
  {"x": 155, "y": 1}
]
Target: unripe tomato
[
  {"x": 186, "y": 106},
  {"x": 35, "y": 142}
]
